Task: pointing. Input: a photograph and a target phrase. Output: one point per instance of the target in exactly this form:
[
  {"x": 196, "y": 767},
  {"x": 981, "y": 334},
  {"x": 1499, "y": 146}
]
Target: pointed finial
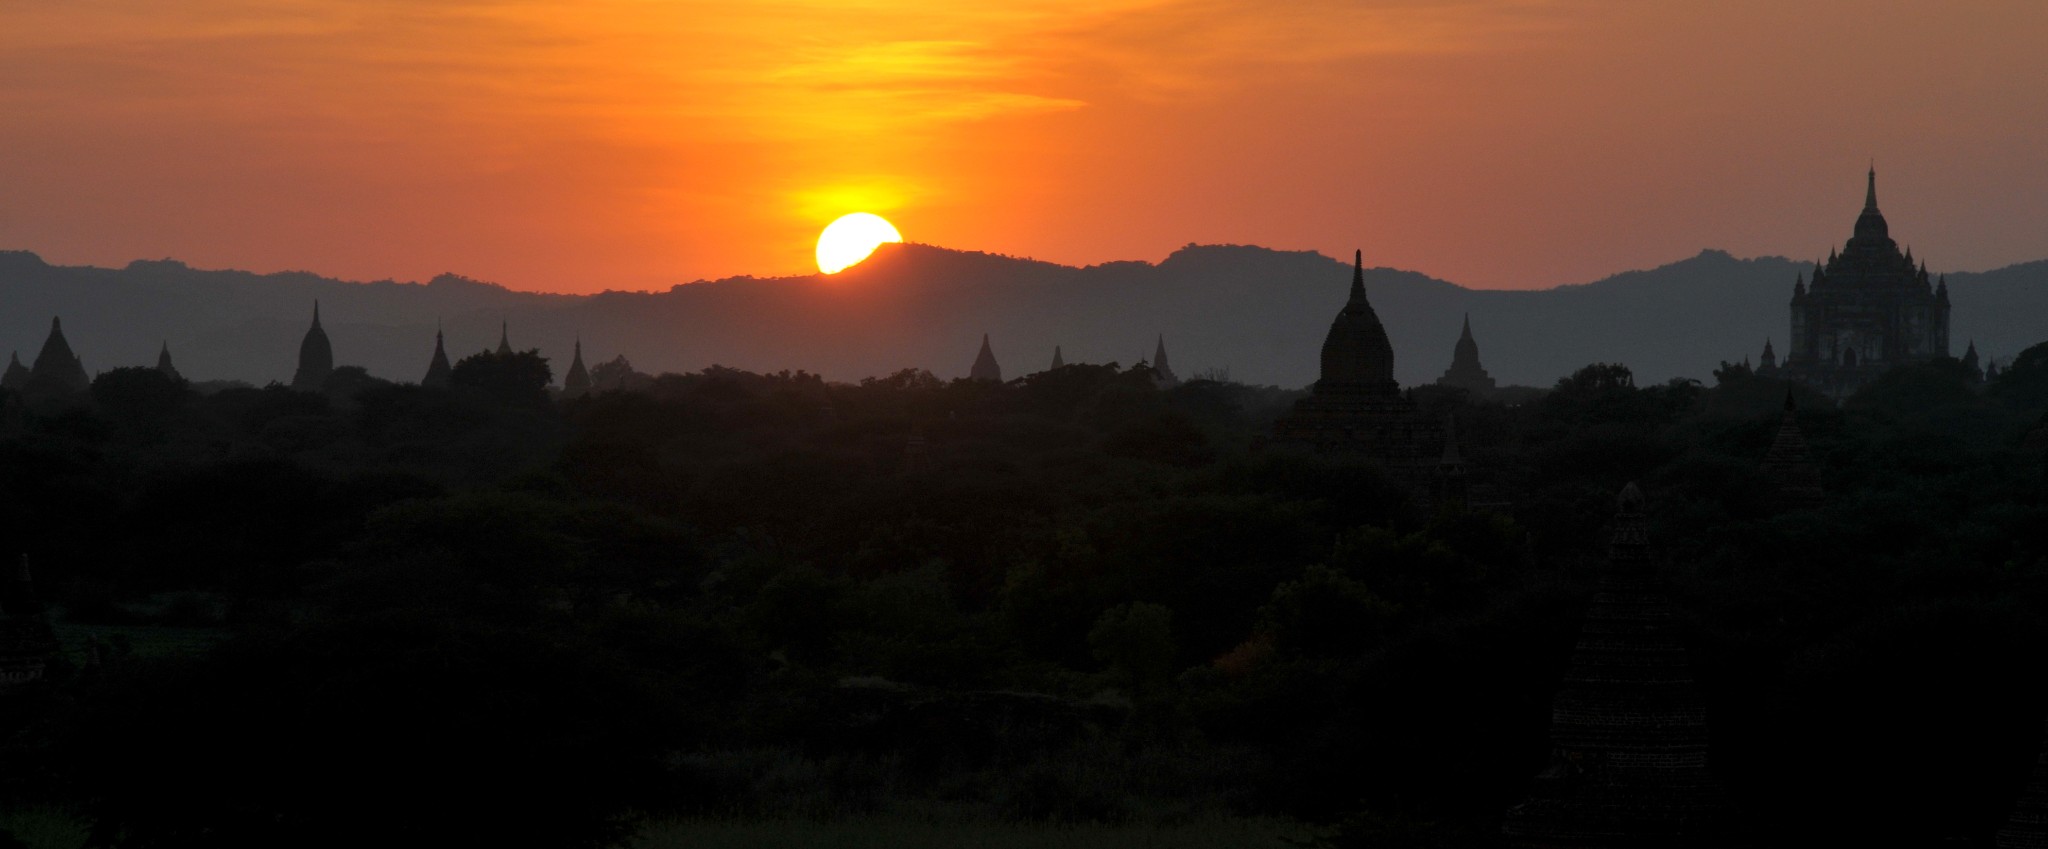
[
  {"x": 316, "y": 312},
  {"x": 56, "y": 324},
  {"x": 1358, "y": 274},
  {"x": 1870, "y": 193}
]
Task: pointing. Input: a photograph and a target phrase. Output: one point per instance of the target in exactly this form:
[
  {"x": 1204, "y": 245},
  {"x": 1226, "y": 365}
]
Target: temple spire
[
  {"x": 577, "y": 382},
  {"x": 1057, "y": 360},
  {"x": 1870, "y": 192},
  {"x": 316, "y": 357},
  {"x": 17, "y": 374},
  {"x": 163, "y": 362},
  {"x": 439, "y": 374},
  {"x": 1165, "y": 372},
  {"x": 504, "y": 339},
  {"x": 985, "y": 367},
  {"x": 1358, "y": 275}
]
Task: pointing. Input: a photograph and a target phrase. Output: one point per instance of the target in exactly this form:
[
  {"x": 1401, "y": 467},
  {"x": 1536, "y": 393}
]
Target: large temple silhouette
[
  {"x": 1355, "y": 407},
  {"x": 1868, "y": 308}
]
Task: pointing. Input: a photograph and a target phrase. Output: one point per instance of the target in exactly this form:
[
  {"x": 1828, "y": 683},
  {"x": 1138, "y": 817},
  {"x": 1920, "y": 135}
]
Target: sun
[{"x": 851, "y": 238}]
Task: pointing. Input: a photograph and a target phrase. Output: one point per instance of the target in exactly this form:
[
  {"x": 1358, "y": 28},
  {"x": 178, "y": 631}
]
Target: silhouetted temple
[
  {"x": 439, "y": 374},
  {"x": 1869, "y": 309},
  {"x": 27, "y": 644},
  {"x": 1356, "y": 407},
  {"x": 163, "y": 362},
  {"x": 1795, "y": 480},
  {"x": 985, "y": 367},
  {"x": 2027, "y": 828},
  {"x": 1767, "y": 365},
  {"x": 914, "y": 456},
  {"x": 1166, "y": 378},
  {"x": 1057, "y": 361},
  {"x": 1465, "y": 372},
  {"x": 316, "y": 357},
  {"x": 16, "y": 377},
  {"x": 576, "y": 383},
  {"x": 57, "y": 371},
  {"x": 504, "y": 339},
  {"x": 1628, "y": 732}
]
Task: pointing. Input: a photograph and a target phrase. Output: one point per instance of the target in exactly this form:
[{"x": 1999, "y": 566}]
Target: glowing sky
[{"x": 637, "y": 144}]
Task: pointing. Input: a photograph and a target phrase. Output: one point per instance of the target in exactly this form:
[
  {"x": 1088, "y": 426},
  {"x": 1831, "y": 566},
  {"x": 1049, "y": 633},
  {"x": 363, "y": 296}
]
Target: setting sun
[{"x": 851, "y": 238}]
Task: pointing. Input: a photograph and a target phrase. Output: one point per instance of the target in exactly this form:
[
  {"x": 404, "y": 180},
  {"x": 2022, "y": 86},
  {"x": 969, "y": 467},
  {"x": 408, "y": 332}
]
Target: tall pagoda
[
  {"x": 1628, "y": 731},
  {"x": 316, "y": 357}
]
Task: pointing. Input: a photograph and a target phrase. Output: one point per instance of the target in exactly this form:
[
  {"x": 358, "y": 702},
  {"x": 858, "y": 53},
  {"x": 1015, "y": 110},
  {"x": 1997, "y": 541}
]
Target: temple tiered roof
[
  {"x": 1795, "y": 480},
  {"x": 2027, "y": 828},
  {"x": 1628, "y": 729},
  {"x": 1465, "y": 372}
]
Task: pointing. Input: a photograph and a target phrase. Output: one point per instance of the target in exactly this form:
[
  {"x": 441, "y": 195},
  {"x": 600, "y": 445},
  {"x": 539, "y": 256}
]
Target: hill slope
[{"x": 1259, "y": 313}]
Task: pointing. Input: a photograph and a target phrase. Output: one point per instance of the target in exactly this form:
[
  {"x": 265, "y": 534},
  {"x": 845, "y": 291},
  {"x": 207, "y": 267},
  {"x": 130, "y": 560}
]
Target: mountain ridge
[{"x": 1258, "y": 312}]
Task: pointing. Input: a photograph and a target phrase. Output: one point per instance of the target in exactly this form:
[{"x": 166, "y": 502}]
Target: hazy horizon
[{"x": 46, "y": 258}]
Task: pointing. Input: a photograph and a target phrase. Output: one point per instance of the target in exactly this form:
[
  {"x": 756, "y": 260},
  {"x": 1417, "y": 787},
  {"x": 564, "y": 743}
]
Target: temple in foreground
[{"x": 1628, "y": 730}]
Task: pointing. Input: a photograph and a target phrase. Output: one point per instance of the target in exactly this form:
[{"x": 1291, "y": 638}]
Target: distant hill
[{"x": 1259, "y": 313}]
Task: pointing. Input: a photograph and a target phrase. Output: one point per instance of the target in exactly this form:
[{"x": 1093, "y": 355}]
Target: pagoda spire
[
  {"x": 439, "y": 374},
  {"x": 577, "y": 382},
  {"x": 1166, "y": 376},
  {"x": 316, "y": 357},
  {"x": 17, "y": 374},
  {"x": 985, "y": 367},
  {"x": 1870, "y": 191},
  {"x": 163, "y": 362},
  {"x": 1358, "y": 275},
  {"x": 504, "y": 339},
  {"x": 1057, "y": 360}
]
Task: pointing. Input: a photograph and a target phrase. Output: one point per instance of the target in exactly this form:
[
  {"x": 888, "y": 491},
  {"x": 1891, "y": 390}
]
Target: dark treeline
[{"x": 482, "y": 615}]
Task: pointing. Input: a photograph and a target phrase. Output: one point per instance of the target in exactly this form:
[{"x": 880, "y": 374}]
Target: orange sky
[{"x": 635, "y": 144}]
